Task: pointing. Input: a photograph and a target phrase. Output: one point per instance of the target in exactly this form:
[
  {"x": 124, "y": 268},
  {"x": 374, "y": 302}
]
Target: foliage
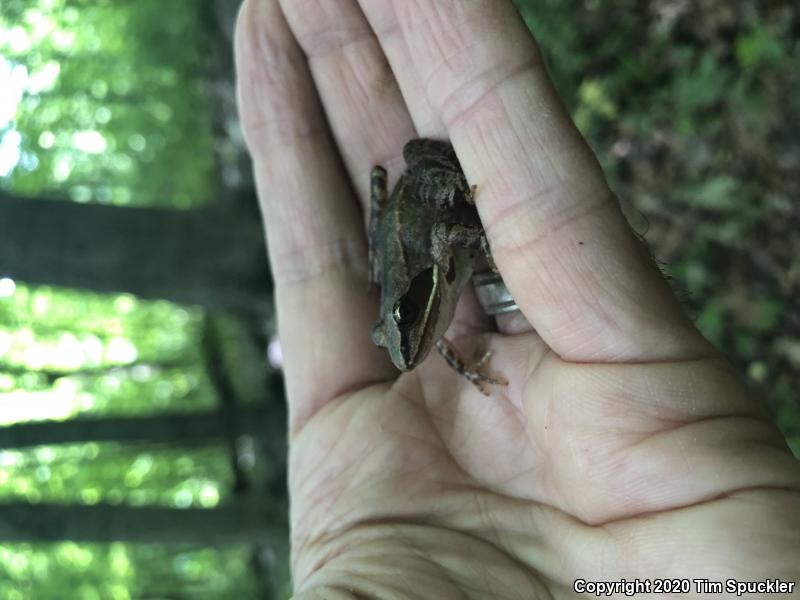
[
  {"x": 136, "y": 475},
  {"x": 112, "y": 107},
  {"x": 103, "y": 101},
  {"x": 66, "y": 352},
  {"x": 123, "y": 571}
]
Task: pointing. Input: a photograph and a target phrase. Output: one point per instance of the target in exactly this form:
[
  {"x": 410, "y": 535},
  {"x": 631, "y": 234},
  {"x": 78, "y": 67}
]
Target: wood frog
[{"x": 424, "y": 243}]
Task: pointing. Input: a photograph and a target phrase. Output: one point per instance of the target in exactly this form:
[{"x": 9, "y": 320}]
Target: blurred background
[{"x": 142, "y": 420}]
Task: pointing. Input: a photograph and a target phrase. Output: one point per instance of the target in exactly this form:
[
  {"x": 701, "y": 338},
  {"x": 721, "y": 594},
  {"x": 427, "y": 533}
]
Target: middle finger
[
  {"x": 365, "y": 110},
  {"x": 367, "y": 113}
]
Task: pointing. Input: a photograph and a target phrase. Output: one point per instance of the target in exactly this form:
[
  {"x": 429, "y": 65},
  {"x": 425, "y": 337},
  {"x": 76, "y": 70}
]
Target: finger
[
  {"x": 366, "y": 112},
  {"x": 383, "y": 21},
  {"x": 368, "y": 116},
  {"x": 565, "y": 251},
  {"x": 314, "y": 228}
]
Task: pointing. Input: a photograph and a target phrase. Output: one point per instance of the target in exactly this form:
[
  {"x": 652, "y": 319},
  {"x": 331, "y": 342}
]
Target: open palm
[{"x": 623, "y": 446}]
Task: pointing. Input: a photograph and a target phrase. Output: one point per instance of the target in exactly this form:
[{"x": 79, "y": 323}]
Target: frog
[{"x": 425, "y": 242}]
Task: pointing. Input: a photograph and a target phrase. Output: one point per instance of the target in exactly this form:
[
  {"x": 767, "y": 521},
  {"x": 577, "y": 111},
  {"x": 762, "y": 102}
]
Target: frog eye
[{"x": 405, "y": 311}]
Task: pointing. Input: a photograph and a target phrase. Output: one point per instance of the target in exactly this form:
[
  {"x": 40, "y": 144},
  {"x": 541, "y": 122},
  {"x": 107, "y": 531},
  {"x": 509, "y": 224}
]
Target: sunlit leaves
[
  {"x": 137, "y": 475},
  {"x": 113, "y": 109},
  {"x": 124, "y": 571},
  {"x": 69, "y": 352},
  {"x": 103, "y": 101}
]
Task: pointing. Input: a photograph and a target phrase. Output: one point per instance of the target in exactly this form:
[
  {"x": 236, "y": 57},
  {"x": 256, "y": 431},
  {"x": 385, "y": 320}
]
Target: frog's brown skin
[{"x": 424, "y": 240}]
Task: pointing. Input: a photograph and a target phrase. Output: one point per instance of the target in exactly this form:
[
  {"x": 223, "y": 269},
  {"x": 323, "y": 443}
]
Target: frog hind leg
[
  {"x": 456, "y": 234},
  {"x": 470, "y": 372},
  {"x": 441, "y": 249},
  {"x": 379, "y": 196},
  {"x": 446, "y": 235}
]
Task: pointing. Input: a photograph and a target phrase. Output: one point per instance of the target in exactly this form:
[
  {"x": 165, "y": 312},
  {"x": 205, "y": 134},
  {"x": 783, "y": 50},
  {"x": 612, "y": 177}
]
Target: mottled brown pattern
[{"x": 424, "y": 242}]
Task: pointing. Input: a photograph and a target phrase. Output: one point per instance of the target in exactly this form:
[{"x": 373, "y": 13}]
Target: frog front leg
[
  {"x": 446, "y": 235},
  {"x": 379, "y": 196}
]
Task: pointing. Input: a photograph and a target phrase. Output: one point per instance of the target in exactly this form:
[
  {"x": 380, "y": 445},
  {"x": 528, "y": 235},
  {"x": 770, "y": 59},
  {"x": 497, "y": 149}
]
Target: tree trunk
[
  {"x": 176, "y": 429},
  {"x": 208, "y": 257},
  {"x": 22, "y": 522}
]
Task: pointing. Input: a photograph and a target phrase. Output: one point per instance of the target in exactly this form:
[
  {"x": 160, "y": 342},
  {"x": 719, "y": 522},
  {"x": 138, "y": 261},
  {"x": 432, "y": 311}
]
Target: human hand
[{"x": 623, "y": 446}]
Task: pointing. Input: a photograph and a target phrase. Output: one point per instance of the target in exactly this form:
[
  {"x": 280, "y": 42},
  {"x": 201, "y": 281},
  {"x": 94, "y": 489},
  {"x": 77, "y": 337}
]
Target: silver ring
[{"x": 492, "y": 293}]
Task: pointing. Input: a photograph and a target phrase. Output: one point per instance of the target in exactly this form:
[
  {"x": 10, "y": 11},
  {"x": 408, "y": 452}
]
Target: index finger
[
  {"x": 568, "y": 256},
  {"x": 314, "y": 227}
]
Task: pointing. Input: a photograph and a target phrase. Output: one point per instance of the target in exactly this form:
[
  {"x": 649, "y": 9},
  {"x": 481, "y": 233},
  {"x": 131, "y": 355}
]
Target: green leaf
[
  {"x": 769, "y": 312},
  {"x": 711, "y": 321},
  {"x": 716, "y": 193},
  {"x": 594, "y": 102},
  {"x": 759, "y": 47}
]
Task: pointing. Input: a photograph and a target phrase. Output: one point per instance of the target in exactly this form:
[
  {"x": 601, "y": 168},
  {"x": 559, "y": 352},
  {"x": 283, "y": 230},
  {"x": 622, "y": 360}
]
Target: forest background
[{"x": 142, "y": 443}]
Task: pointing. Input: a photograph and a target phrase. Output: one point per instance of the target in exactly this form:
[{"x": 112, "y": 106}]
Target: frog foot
[
  {"x": 473, "y": 192},
  {"x": 470, "y": 372}
]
